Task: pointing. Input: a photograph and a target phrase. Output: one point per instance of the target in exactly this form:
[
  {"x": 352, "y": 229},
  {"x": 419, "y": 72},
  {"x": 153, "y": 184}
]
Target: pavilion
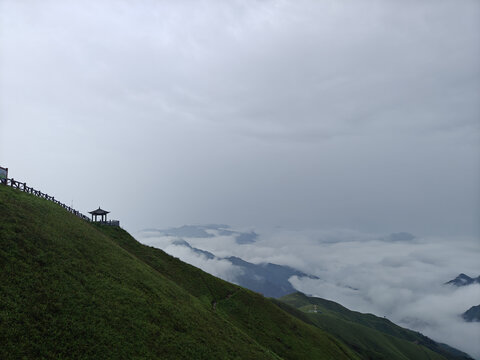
[{"x": 99, "y": 212}]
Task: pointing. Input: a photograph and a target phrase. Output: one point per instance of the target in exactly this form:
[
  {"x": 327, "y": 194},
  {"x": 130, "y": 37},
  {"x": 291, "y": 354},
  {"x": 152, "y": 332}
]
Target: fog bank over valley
[{"x": 399, "y": 275}]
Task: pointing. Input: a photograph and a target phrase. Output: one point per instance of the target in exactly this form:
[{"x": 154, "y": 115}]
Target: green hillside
[
  {"x": 77, "y": 290},
  {"x": 370, "y": 336},
  {"x": 70, "y": 289}
]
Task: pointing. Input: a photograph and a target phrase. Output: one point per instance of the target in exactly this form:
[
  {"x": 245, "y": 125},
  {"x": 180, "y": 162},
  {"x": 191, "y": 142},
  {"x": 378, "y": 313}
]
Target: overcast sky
[{"x": 300, "y": 114}]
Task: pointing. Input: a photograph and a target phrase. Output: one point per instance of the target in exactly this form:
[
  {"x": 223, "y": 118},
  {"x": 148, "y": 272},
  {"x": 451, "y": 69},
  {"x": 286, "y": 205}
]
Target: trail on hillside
[{"x": 214, "y": 301}]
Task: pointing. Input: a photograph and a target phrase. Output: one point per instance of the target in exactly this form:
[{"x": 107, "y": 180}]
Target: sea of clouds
[{"x": 399, "y": 277}]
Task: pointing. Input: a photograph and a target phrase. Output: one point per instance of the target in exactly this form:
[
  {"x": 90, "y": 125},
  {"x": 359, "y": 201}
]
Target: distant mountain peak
[
  {"x": 463, "y": 280},
  {"x": 472, "y": 314}
]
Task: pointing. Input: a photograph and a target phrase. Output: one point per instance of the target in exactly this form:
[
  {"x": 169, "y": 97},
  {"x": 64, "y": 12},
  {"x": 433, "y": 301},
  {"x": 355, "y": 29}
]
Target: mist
[{"x": 367, "y": 272}]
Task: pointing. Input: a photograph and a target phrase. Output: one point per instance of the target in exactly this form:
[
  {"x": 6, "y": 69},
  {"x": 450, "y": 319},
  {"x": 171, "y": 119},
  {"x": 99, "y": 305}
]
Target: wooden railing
[{"x": 23, "y": 187}]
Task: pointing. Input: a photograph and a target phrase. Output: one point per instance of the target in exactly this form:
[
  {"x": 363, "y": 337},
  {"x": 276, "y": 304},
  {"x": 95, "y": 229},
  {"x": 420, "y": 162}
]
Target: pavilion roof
[{"x": 99, "y": 212}]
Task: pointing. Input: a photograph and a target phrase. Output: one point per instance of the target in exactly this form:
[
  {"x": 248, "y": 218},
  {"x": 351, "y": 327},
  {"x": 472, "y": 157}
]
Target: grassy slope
[
  {"x": 246, "y": 310},
  {"x": 371, "y": 336},
  {"x": 69, "y": 289}
]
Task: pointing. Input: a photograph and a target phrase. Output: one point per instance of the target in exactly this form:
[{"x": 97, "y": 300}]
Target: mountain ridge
[
  {"x": 370, "y": 335},
  {"x": 268, "y": 279},
  {"x": 72, "y": 289}
]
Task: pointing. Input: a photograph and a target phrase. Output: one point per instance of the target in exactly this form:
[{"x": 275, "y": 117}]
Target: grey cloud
[
  {"x": 301, "y": 114},
  {"x": 401, "y": 236}
]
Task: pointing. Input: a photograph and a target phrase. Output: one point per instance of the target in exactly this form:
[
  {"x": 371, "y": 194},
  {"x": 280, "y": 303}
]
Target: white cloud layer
[
  {"x": 402, "y": 280},
  {"x": 220, "y": 268}
]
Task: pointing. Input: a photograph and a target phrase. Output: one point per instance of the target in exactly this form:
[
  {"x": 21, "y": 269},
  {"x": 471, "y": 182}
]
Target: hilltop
[{"x": 74, "y": 289}]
